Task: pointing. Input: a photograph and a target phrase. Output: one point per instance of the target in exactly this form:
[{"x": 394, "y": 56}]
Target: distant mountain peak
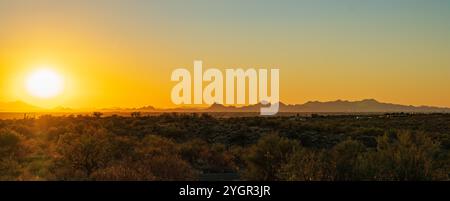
[
  {"x": 218, "y": 106},
  {"x": 370, "y": 100},
  {"x": 148, "y": 107}
]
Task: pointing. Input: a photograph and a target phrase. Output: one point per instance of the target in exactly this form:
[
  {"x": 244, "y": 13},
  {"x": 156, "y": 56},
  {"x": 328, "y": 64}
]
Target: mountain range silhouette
[{"x": 338, "y": 106}]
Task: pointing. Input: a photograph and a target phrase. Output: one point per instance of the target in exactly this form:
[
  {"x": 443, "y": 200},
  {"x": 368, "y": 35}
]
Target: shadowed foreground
[{"x": 203, "y": 147}]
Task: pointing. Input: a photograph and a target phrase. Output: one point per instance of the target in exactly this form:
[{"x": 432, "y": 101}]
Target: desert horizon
[{"x": 321, "y": 106}]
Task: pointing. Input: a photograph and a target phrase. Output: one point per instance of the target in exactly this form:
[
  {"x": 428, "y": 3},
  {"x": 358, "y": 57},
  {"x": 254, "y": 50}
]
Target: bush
[
  {"x": 307, "y": 165},
  {"x": 266, "y": 158},
  {"x": 81, "y": 154},
  {"x": 11, "y": 154},
  {"x": 405, "y": 157},
  {"x": 346, "y": 160}
]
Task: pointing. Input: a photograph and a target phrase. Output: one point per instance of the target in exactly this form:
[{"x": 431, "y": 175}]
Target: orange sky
[{"x": 113, "y": 53}]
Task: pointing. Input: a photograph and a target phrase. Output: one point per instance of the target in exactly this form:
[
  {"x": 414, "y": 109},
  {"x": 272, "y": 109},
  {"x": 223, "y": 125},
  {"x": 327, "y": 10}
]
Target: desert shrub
[
  {"x": 160, "y": 158},
  {"x": 346, "y": 158},
  {"x": 307, "y": 165},
  {"x": 81, "y": 154},
  {"x": 206, "y": 157},
  {"x": 266, "y": 158},
  {"x": 11, "y": 154},
  {"x": 405, "y": 156}
]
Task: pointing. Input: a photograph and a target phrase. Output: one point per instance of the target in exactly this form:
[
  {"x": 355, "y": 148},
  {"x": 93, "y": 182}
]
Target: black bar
[{"x": 277, "y": 190}]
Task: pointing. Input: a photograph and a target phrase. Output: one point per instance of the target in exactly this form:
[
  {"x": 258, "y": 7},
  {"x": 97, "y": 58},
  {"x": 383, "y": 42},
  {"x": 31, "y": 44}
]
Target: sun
[{"x": 44, "y": 83}]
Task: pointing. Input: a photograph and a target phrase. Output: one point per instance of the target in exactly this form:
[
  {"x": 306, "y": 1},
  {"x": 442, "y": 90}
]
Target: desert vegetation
[{"x": 400, "y": 147}]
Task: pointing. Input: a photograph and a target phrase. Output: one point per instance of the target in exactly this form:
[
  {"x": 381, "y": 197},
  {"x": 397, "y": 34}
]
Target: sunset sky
[{"x": 121, "y": 53}]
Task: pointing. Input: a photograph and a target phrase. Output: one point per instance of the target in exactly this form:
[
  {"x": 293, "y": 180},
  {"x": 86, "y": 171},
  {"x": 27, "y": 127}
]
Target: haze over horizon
[{"x": 112, "y": 53}]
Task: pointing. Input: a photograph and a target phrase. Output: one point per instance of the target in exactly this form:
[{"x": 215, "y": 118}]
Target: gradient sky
[{"x": 121, "y": 53}]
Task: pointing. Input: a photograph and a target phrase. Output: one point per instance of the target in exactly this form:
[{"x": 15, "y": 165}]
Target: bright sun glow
[{"x": 44, "y": 83}]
